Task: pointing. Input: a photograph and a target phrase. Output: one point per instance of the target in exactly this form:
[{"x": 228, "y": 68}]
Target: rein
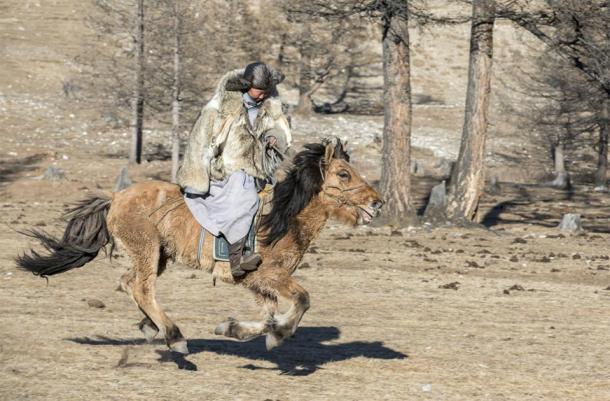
[{"x": 340, "y": 198}]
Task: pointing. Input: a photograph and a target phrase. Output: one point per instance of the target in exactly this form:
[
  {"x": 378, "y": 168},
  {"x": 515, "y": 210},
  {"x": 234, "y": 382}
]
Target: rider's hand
[{"x": 271, "y": 141}]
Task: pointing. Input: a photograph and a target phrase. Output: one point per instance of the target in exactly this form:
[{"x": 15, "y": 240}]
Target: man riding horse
[{"x": 233, "y": 151}]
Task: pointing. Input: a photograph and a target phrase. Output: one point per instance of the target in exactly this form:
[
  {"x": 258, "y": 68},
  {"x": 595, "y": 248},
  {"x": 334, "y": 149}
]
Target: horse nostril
[{"x": 377, "y": 204}]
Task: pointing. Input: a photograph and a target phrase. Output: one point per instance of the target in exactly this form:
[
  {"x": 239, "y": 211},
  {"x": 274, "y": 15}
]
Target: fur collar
[{"x": 228, "y": 97}]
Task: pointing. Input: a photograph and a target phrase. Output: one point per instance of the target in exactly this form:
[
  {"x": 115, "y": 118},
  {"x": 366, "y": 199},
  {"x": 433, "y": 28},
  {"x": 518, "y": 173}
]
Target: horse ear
[{"x": 329, "y": 153}]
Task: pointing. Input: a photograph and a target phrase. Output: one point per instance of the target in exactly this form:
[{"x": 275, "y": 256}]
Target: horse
[{"x": 151, "y": 221}]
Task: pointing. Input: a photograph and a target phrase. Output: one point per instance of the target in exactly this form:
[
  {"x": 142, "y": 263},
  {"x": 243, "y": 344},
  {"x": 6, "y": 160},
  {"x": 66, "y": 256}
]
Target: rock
[
  {"x": 416, "y": 169},
  {"x": 472, "y": 263},
  {"x": 123, "y": 180},
  {"x": 516, "y": 287},
  {"x": 570, "y": 222},
  {"x": 435, "y": 209},
  {"x": 95, "y": 303},
  {"x": 443, "y": 167},
  {"x": 450, "y": 286},
  {"x": 53, "y": 173},
  {"x": 494, "y": 186},
  {"x": 519, "y": 241}
]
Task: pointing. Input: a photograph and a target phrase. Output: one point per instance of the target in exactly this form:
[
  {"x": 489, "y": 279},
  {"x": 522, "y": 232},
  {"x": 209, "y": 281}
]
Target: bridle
[{"x": 340, "y": 198}]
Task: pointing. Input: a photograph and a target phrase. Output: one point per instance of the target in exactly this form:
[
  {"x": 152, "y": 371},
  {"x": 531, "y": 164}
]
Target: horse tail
[{"x": 84, "y": 236}]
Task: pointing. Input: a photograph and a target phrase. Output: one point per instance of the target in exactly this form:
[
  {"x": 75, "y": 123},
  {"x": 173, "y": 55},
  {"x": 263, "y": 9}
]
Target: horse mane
[{"x": 290, "y": 196}]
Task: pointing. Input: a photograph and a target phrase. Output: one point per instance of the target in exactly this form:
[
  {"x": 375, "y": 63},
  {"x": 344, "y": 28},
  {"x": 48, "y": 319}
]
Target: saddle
[{"x": 221, "y": 245}]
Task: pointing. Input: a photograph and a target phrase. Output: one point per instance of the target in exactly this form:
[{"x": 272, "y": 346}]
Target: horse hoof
[
  {"x": 273, "y": 340},
  {"x": 225, "y": 328},
  {"x": 179, "y": 347},
  {"x": 149, "y": 331}
]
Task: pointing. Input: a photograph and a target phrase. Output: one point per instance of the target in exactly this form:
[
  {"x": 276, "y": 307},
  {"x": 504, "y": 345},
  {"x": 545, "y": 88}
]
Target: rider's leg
[{"x": 241, "y": 264}]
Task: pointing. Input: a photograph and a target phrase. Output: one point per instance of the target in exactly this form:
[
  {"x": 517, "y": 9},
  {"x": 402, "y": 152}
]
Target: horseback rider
[{"x": 233, "y": 151}]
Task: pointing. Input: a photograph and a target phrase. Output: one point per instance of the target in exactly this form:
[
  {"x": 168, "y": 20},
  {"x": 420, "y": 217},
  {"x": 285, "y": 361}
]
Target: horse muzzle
[{"x": 367, "y": 213}]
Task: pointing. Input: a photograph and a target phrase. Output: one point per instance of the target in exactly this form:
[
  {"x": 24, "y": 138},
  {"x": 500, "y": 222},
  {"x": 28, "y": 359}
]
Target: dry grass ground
[
  {"x": 525, "y": 316},
  {"x": 517, "y": 312}
]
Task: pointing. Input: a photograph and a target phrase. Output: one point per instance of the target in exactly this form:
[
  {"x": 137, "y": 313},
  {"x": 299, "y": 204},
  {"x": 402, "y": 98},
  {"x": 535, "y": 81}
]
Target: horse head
[{"x": 349, "y": 197}]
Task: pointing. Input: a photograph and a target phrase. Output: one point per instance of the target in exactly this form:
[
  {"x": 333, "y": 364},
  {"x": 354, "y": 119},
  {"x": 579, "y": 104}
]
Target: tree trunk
[
  {"x": 562, "y": 178},
  {"x": 281, "y": 56},
  {"x": 560, "y": 160},
  {"x": 602, "y": 153},
  {"x": 396, "y": 153},
  {"x": 176, "y": 96},
  {"x": 468, "y": 178},
  {"x": 304, "y": 107},
  {"x": 135, "y": 153}
]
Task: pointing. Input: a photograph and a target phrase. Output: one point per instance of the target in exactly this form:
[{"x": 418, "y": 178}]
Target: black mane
[{"x": 290, "y": 196}]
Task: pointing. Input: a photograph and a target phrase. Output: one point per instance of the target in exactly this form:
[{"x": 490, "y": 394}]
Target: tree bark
[
  {"x": 176, "y": 95},
  {"x": 396, "y": 153},
  {"x": 135, "y": 153},
  {"x": 468, "y": 178},
  {"x": 562, "y": 179},
  {"x": 602, "y": 153},
  {"x": 304, "y": 107}
]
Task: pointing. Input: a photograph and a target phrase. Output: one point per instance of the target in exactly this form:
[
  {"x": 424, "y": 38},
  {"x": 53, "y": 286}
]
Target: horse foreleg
[
  {"x": 285, "y": 325},
  {"x": 247, "y": 330}
]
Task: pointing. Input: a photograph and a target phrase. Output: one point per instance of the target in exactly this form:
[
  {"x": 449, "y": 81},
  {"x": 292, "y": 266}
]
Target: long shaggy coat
[{"x": 222, "y": 140}]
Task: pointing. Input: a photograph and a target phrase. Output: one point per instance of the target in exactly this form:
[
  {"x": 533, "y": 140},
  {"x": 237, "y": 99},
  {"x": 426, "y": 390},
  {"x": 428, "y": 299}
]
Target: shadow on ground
[
  {"x": 12, "y": 170},
  {"x": 543, "y": 206},
  {"x": 299, "y": 356}
]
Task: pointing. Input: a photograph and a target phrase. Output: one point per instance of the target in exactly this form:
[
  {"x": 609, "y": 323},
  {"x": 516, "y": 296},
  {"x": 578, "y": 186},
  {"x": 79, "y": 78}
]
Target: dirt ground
[
  {"x": 512, "y": 310},
  {"x": 518, "y": 311}
]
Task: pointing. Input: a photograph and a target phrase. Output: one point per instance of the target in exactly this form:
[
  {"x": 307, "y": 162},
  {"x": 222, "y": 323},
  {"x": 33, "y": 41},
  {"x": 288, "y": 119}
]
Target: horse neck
[
  {"x": 301, "y": 232},
  {"x": 309, "y": 222}
]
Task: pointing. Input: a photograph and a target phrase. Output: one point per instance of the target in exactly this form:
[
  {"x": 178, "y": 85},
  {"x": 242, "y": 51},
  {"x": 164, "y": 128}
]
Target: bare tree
[
  {"x": 115, "y": 72},
  {"x": 135, "y": 151},
  {"x": 468, "y": 176},
  {"x": 176, "y": 87},
  {"x": 325, "y": 52},
  {"x": 393, "y": 16},
  {"x": 579, "y": 33},
  {"x": 395, "y": 173}
]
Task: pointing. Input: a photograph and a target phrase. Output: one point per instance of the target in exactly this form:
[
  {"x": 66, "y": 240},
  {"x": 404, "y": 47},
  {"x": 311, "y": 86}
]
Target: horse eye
[{"x": 343, "y": 175}]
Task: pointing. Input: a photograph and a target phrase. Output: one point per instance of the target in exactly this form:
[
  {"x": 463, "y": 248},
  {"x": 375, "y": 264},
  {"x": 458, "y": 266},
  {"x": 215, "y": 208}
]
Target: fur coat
[{"x": 223, "y": 142}]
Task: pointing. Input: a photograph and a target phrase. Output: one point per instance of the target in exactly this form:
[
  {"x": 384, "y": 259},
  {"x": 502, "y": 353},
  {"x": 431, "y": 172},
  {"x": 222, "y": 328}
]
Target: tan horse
[{"x": 151, "y": 221}]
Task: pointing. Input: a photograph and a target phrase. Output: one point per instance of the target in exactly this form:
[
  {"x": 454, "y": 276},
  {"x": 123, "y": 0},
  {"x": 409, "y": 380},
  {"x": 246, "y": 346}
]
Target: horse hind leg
[
  {"x": 144, "y": 294},
  {"x": 146, "y": 325},
  {"x": 141, "y": 239}
]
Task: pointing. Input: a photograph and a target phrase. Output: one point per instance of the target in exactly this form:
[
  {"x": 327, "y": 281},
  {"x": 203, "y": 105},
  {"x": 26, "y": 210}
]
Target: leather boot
[{"x": 239, "y": 264}]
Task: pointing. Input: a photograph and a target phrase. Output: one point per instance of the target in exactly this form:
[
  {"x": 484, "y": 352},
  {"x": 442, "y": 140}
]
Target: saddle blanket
[{"x": 221, "y": 245}]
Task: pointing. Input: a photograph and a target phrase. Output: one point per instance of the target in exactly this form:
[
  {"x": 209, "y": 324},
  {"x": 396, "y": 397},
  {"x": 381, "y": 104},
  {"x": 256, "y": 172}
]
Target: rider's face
[{"x": 256, "y": 94}]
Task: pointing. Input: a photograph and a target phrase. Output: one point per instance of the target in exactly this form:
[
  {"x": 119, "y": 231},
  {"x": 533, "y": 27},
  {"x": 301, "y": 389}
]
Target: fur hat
[{"x": 257, "y": 75}]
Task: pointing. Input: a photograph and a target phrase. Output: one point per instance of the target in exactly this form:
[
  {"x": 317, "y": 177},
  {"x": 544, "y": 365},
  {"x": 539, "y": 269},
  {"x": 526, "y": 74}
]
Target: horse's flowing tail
[{"x": 84, "y": 236}]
